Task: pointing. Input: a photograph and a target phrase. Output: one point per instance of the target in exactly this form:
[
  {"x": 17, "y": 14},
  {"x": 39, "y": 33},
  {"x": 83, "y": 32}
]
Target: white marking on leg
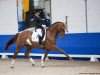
[
  {"x": 42, "y": 62},
  {"x": 12, "y": 64},
  {"x": 32, "y": 61},
  {"x": 43, "y": 57},
  {"x": 28, "y": 41}
]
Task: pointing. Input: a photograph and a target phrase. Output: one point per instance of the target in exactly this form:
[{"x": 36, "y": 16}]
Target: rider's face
[{"x": 38, "y": 13}]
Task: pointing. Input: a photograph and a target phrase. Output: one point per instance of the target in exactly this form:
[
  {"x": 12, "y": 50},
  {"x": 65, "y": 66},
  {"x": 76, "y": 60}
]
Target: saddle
[{"x": 36, "y": 33}]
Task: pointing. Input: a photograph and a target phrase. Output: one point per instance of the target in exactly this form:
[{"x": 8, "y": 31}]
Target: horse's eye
[{"x": 62, "y": 29}]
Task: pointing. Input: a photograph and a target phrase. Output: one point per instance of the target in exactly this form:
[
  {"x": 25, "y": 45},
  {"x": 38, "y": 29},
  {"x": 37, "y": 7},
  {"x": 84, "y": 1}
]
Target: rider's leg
[
  {"x": 40, "y": 40},
  {"x": 43, "y": 32},
  {"x": 40, "y": 36}
]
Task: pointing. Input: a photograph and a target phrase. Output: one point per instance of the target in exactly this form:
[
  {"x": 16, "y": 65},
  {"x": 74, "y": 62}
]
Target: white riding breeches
[{"x": 39, "y": 31}]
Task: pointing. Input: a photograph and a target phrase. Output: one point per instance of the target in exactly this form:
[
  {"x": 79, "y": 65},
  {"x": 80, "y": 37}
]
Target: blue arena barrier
[{"x": 79, "y": 43}]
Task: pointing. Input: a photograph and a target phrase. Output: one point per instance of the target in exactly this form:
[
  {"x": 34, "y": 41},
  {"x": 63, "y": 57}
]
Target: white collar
[{"x": 37, "y": 15}]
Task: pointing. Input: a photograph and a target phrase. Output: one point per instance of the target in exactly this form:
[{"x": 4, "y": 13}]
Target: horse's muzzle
[{"x": 62, "y": 37}]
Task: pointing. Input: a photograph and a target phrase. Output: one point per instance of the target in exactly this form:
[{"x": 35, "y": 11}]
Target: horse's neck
[{"x": 52, "y": 33}]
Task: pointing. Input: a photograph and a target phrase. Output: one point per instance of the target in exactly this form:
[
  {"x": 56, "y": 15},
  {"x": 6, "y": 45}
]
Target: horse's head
[
  {"x": 61, "y": 29},
  {"x": 58, "y": 27}
]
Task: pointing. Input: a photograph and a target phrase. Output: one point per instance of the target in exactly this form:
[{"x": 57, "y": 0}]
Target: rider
[{"x": 38, "y": 24}]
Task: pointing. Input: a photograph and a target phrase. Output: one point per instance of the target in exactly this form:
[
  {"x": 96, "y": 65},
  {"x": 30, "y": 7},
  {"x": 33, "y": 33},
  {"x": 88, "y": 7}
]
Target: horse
[{"x": 49, "y": 43}]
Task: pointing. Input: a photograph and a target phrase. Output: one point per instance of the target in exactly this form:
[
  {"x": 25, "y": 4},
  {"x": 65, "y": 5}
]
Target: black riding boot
[{"x": 40, "y": 41}]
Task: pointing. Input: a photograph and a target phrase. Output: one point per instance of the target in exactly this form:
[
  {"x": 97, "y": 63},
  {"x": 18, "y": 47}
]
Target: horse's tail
[{"x": 11, "y": 41}]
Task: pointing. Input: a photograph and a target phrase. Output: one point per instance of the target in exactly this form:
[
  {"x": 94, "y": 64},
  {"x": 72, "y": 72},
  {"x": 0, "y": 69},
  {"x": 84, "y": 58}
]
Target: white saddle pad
[{"x": 35, "y": 35}]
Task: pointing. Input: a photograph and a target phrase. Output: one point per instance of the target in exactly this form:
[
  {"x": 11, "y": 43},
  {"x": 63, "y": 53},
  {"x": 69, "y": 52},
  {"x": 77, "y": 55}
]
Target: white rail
[{"x": 92, "y": 57}]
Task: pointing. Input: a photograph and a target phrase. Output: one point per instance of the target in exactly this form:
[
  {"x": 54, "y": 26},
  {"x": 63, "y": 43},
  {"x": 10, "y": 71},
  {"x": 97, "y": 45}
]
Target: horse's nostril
[{"x": 62, "y": 37}]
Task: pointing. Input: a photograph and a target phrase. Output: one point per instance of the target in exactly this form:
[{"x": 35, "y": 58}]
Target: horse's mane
[{"x": 54, "y": 24}]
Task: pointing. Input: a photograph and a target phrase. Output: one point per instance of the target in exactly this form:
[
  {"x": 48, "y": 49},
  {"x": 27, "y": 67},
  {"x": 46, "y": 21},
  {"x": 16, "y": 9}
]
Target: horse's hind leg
[
  {"x": 15, "y": 54},
  {"x": 27, "y": 54},
  {"x": 57, "y": 49}
]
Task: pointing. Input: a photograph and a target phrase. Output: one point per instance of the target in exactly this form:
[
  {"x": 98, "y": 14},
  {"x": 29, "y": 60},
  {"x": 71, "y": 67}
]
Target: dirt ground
[{"x": 52, "y": 67}]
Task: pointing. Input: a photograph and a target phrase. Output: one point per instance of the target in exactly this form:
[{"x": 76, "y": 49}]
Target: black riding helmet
[{"x": 36, "y": 11}]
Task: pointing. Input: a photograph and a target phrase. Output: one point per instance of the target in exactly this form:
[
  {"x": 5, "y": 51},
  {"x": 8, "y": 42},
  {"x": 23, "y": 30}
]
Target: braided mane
[{"x": 54, "y": 24}]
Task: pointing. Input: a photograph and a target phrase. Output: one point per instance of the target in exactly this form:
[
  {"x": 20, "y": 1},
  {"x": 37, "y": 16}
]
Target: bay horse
[{"x": 49, "y": 43}]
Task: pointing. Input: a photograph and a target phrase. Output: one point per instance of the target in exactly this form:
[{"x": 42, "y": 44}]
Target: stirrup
[{"x": 42, "y": 45}]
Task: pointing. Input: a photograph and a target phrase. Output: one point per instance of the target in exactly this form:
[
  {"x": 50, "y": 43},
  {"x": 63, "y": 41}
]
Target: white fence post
[
  {"x": 93, "y": 58},
  {"x": 4, "y": 55}
]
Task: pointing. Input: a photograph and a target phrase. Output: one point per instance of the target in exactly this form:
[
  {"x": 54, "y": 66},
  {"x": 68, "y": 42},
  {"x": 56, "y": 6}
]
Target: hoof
[
  {"x": 70, "y": 59},
  {"x": 12, "y": 67},
  {"x": 32, "y": 64},
  {"x": 43, "y": 66}
]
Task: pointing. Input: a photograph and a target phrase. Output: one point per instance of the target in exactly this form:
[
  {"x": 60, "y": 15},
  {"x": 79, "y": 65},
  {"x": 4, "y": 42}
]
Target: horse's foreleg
[
  {"x": 59, "y": 50},
  {"x": 45, "y": 55},
  {"x": 27, "y": 54}
]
